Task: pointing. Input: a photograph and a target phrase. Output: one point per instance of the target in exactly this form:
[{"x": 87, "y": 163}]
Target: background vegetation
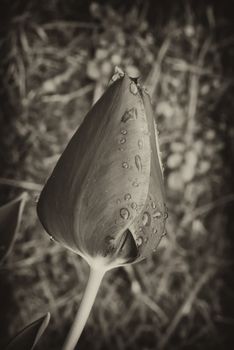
[{"x": 56, "y": 59}]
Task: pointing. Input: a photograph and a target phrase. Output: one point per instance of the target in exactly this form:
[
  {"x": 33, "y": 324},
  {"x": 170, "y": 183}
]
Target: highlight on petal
[
  {"x": 29, "y": 336},
  {"x": 10, "y": 217},
  {"x": 101, "y": 182}
]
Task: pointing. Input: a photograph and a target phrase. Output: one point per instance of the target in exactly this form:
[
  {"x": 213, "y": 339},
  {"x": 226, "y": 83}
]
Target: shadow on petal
[{"x": 122, "y": 251}]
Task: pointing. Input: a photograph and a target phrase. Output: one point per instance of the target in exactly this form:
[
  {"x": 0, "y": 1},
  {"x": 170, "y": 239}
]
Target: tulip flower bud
[{"x": 105, "y": 197}]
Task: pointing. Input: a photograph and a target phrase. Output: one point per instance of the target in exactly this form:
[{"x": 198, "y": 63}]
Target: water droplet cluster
[{"x": 151, "y": 224}]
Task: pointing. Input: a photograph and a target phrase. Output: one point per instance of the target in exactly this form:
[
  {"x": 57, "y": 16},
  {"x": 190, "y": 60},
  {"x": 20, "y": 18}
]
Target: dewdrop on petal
[{"x": 104, "y": 186}]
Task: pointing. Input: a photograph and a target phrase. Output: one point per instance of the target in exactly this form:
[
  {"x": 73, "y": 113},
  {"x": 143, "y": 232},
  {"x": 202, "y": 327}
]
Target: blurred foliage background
[{"x": 56, "y": 58}]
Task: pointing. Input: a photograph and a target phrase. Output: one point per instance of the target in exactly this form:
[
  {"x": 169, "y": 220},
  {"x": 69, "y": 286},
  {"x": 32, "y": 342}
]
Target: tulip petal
[
  {"x": 149, "y": 227},
  {"x": 101, "y": 181}
]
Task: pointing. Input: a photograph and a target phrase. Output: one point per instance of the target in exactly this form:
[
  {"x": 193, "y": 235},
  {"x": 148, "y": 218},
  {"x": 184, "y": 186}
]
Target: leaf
[
  {"x": 10, "y": 217},
  {"x": 30, "y": 335}
]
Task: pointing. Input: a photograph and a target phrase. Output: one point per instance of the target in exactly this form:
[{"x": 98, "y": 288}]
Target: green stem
[{"x": 94, "y": 281}]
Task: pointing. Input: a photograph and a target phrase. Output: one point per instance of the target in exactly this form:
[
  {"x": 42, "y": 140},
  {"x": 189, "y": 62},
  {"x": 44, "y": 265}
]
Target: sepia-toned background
[{"x": 56, "y": 58}]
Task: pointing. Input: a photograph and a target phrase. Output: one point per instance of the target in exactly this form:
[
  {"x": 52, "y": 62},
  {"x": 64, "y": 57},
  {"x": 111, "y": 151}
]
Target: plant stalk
[{"x": 92, "y": 287}]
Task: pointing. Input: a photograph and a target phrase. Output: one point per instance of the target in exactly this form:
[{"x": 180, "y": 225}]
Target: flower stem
[{"x": 94, "y": 281}]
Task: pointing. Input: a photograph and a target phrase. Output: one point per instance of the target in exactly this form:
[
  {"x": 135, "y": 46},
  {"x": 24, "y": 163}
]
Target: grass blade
[
  {"x": 29, "y": 336},
  {"x": 10, "y": 217}
]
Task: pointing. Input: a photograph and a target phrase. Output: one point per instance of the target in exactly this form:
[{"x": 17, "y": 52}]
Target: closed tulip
[{"x": 105, "y": 198}]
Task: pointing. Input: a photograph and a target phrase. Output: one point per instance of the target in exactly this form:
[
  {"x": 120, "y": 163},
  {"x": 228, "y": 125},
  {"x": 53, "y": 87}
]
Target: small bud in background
[{"x": 105, "y": 198}]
